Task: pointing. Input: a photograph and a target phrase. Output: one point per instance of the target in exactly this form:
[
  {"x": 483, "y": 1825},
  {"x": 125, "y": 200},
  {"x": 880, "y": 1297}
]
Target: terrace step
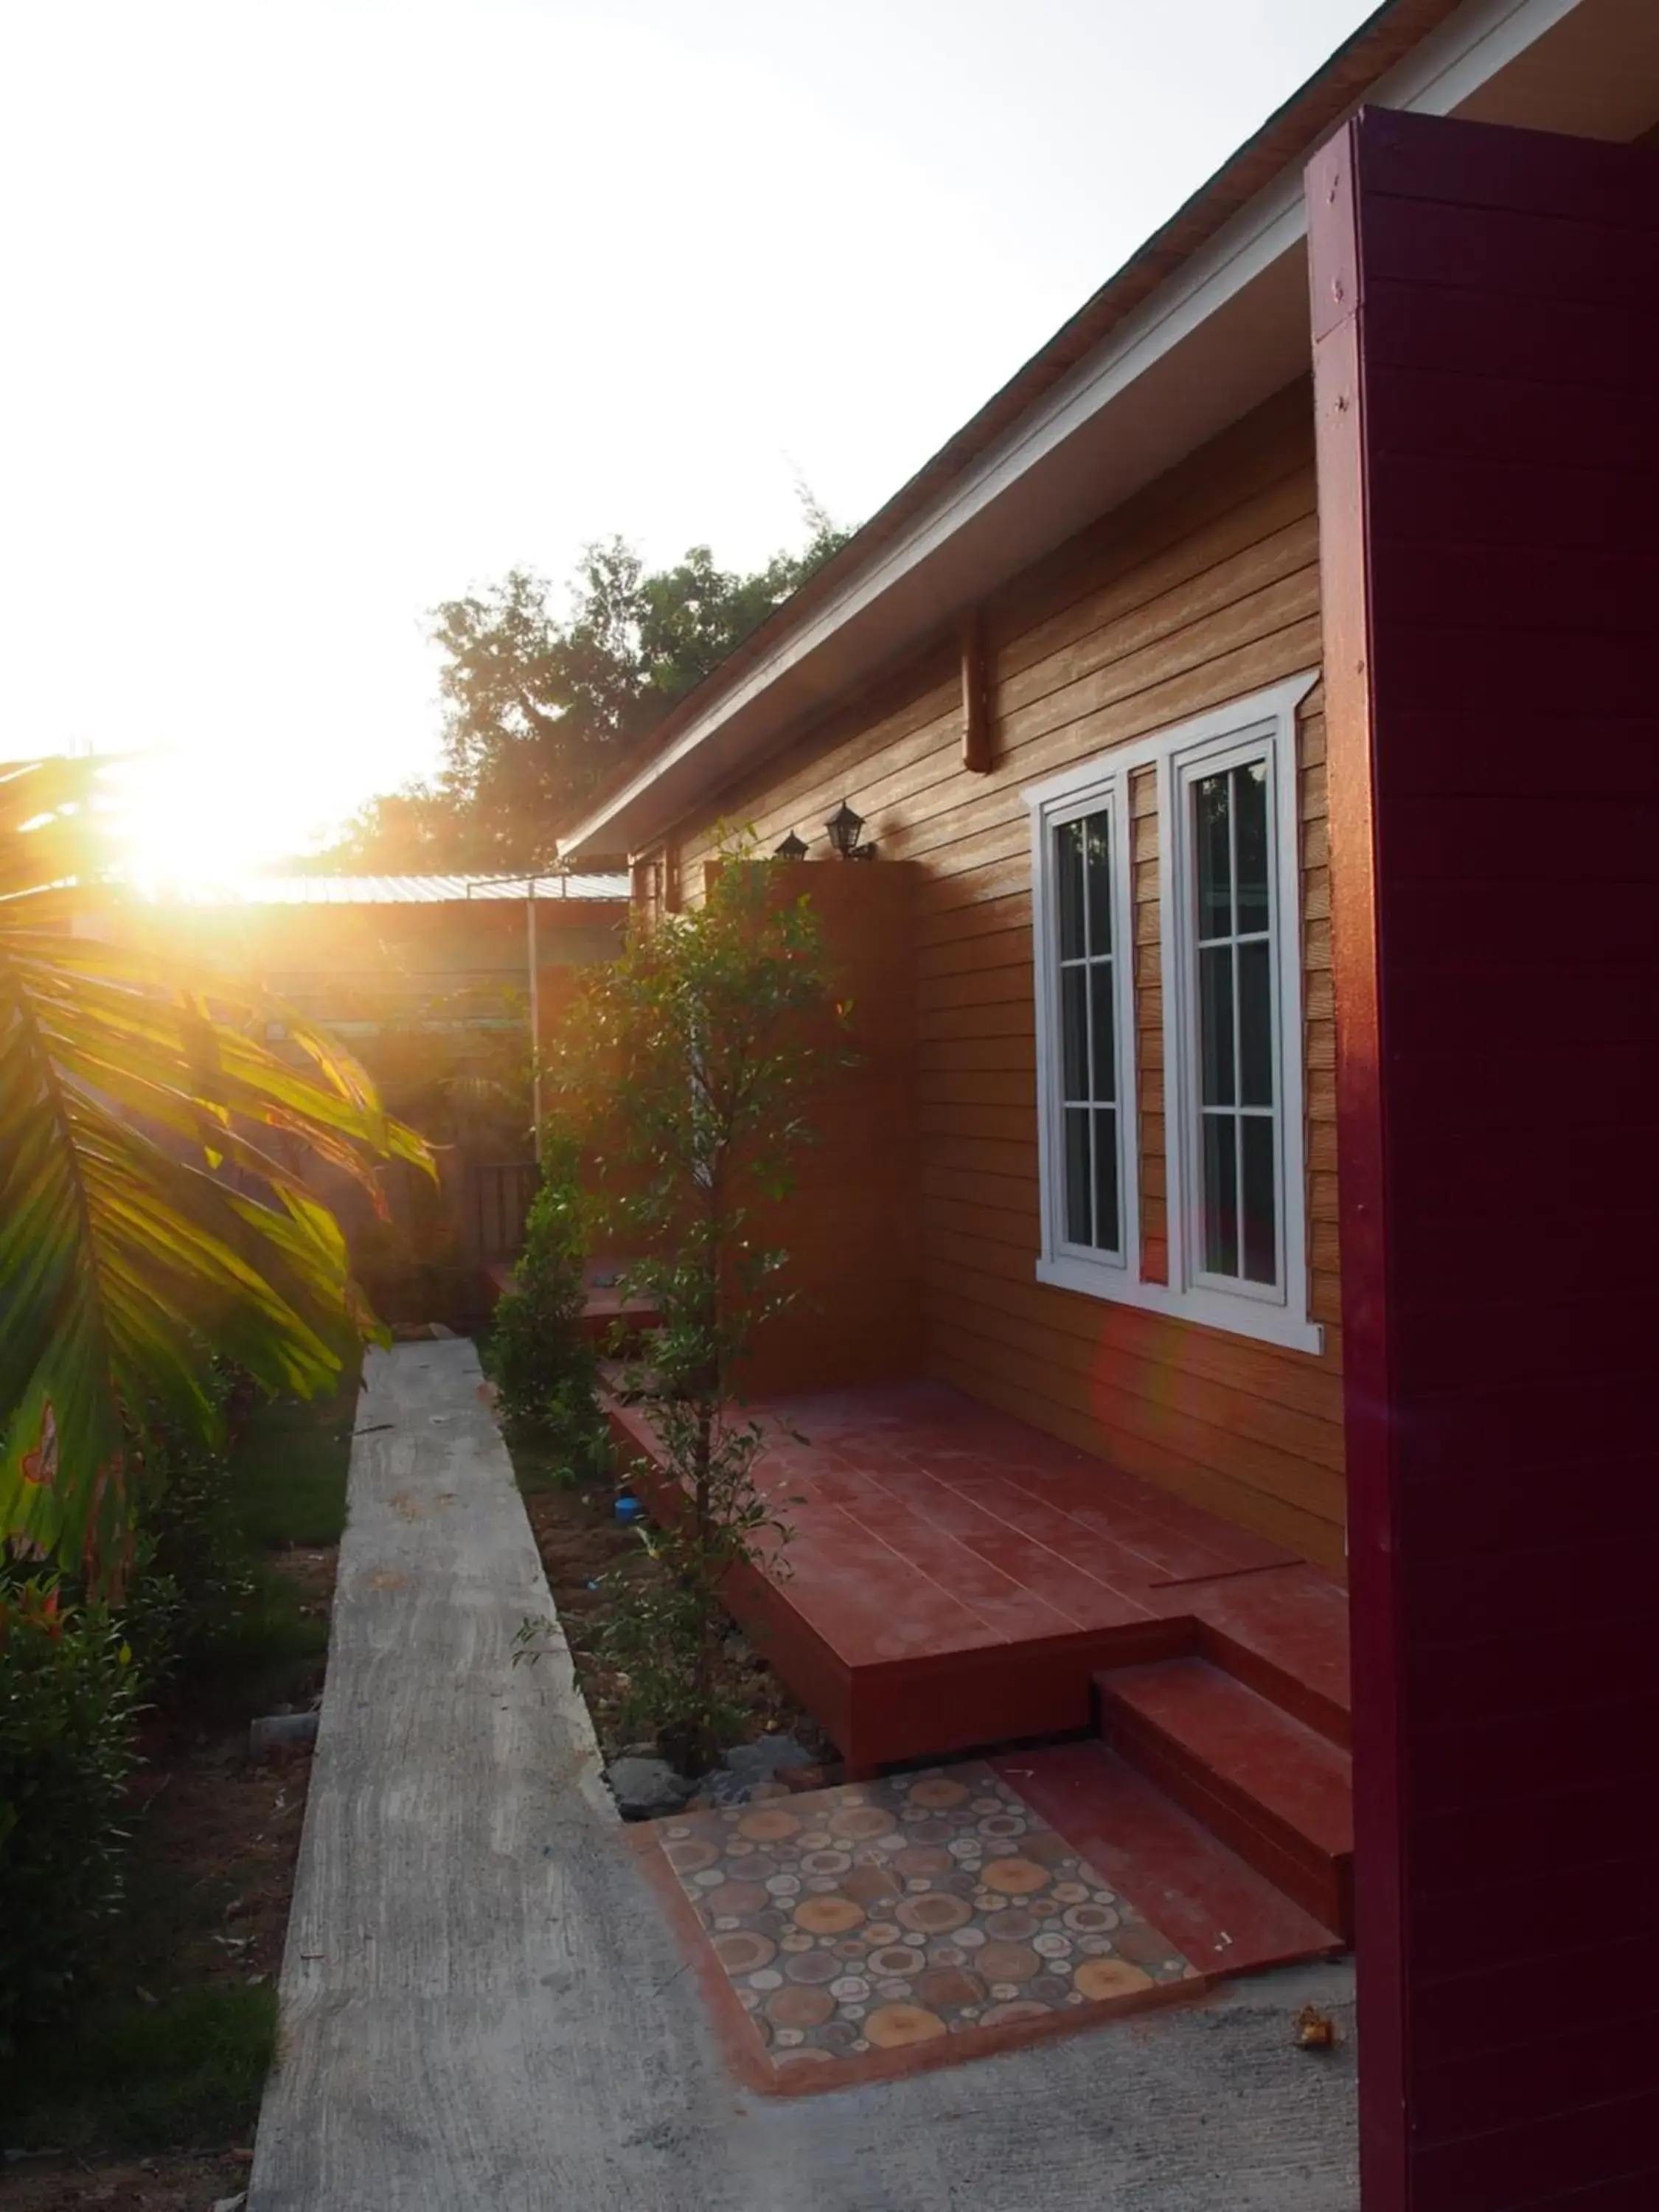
[{"x": 1274, "y": 1791}]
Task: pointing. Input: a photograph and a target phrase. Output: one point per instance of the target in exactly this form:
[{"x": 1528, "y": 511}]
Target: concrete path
[{"x": 483, "y": 2005}]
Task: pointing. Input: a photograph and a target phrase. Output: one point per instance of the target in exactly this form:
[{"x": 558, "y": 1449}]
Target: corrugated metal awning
[{"x": 400, "y": 891}]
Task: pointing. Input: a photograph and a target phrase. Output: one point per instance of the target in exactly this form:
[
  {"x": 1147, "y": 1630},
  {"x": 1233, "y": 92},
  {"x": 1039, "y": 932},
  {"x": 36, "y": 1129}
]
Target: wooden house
[{"x": 1237, "y": 1254}]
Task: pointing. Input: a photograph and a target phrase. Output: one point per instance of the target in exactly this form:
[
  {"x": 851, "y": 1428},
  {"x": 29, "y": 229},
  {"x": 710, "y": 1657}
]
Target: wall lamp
[
  {"x": 842, "y": 828},
  {"x": 793, "y": 848}
]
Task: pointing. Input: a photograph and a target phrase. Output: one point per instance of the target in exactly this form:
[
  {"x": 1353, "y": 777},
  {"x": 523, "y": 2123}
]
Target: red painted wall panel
[{"x": 1484, "y": 317}]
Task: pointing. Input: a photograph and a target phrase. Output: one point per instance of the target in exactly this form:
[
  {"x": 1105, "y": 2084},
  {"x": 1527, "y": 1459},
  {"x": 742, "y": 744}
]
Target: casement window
[{"x": 1229, "y": 966}]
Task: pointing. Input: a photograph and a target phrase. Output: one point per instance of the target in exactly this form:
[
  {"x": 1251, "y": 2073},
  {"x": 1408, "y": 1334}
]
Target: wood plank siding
[{"x": 1202, "y": 590}]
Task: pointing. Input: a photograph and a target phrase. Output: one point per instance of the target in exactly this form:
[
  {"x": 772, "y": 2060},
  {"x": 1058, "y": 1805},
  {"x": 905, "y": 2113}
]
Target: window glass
[
  {"x": 1237, "y": 1105},
  {"x": 1091, "y": 1206}
]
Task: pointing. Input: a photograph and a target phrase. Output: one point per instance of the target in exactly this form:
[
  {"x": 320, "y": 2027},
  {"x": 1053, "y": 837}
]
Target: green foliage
[
  {"x": 538, "y": 706},
  {"x": 152, "y": 1205},
  {"x": 697, "y": 1053},
  {"x": 187, "y": 2070},
  {"x": 543, "y": 1364},
  {"x": 68, "y": 1690},
  {"x": 288, "y": 1468}
]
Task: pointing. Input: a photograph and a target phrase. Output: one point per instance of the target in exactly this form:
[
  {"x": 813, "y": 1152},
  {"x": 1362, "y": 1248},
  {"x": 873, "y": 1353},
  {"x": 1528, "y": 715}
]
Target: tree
[
  {"x": 690, "y": 1063},
  {"x": 536, "y": 707},
  {"x": 153, "y": 1201}
]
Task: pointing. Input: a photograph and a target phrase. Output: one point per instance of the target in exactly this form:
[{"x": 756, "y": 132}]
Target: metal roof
[{"x": 400, "y": 891}]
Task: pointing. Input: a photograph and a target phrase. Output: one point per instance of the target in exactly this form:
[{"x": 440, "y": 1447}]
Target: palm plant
[{"x": 153, "y": 1201}]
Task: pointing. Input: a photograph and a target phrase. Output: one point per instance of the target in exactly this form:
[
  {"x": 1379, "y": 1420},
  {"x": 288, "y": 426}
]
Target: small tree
[
  {"x": 538, "y": 1355},
  {"x": 695, "y": 1056}
]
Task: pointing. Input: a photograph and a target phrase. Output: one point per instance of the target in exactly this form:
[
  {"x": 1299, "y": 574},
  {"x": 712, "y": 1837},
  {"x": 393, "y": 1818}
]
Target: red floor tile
[
  {"x": 1220, "y": 1913},
  {"x": 931, "y": 1532}
]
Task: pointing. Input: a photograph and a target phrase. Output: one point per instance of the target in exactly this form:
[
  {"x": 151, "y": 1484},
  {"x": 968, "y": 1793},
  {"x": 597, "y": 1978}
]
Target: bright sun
[{"x": 183, "y": 829}]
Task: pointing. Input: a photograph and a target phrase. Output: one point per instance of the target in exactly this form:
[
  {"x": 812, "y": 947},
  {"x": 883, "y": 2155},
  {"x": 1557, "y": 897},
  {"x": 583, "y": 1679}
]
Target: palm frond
[{"x": 153, "y": 1196}]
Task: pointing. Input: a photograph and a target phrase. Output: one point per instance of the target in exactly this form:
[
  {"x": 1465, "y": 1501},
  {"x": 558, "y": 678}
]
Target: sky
[{"x": 319, "y": 312}]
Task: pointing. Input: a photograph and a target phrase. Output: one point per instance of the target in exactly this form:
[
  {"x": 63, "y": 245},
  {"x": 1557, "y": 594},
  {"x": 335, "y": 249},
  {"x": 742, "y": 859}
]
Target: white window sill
[{"x": 1239, "y": 1316}]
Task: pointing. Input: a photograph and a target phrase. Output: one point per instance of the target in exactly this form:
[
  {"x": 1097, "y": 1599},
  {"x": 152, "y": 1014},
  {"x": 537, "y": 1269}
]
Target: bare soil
[{"x": 583, "y": 1544}]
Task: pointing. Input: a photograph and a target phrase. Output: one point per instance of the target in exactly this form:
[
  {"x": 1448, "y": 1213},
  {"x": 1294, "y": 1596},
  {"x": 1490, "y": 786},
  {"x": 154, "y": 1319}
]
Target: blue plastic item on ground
[{"x": 630, "y": 1509}]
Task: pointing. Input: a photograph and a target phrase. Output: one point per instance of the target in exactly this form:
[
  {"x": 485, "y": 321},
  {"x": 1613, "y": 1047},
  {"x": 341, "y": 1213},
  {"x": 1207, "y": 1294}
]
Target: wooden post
[
  {"x": 1487, "y": 447},
  {"x": 977, "y": 735}
]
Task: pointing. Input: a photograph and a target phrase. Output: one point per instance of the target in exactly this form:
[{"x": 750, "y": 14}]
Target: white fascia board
[{"x": 1452, "y": 64}]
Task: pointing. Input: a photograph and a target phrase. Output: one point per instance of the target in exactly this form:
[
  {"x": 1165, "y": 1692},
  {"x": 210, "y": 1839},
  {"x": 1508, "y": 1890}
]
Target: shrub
[
  {"x": 538, "y": 1355},
  {"x": 194, "y": 1584},
  {"x": 68, "y": 1690}
]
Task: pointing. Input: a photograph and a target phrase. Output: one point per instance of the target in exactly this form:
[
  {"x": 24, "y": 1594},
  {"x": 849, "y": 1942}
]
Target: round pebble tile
[
  {"x": 870, "y": 1885},
  {"x": 860, "y": 1821},
  {"x": 897, "y": 1958},
  {"x": 692, "y": 1856},
  {"x": 812, "y": 1966},
  {"x": 891, "y": 2026},
  {"x": 1013, "y": 1926},
  {"x": 1091, "y": 1919},
  {"x": 742, "y": 1952},
  {"x": 736, "y": 1898},
  {"x": 937, "y": 1794},
  {"x": 828, "y": 1916},
  {"x": 768, "y": 1825},
  {"x": 823, "y": 1862},
  {"x": 944, "y": 1988},
  {"x": 798, "y": 2006},
  {"x": 1017, "y": 1877},
  {"x": 1007, "y": 1962},
  {"x": 1099, "y": 1978},
  {"x": 934, "y": 1914}
]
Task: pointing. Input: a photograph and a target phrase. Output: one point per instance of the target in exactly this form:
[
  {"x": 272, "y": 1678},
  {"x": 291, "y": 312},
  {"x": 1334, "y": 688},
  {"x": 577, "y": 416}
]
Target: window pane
[
  {"x": 1260, "y": 1229},
  {"x": 1079, "y": 1184},
  {"x": 1215, "y": 1024},
  {"x": 1106, "y": 1201},
  {"x": 1074, "y": 1030},
  {"x": 1068, "y": 865},
  {"x": 1256, "y": 1019},
  {"x": 1250, "y": 807},
  {"x": 1100, "y": 990},
  {"x": 1098, "y": 849},
  {"x": 1220, "y": 1195},
  {"x": 1215, "y": 867}
]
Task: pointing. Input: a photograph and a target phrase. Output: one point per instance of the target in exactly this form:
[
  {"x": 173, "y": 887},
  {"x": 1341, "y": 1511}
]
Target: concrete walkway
[{"x": 483, "y": 2005}]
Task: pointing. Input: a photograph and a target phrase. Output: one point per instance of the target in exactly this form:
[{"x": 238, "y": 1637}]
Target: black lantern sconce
[
  {"x": 842, "y": 827},
  {"x": 793, "y": 848}
]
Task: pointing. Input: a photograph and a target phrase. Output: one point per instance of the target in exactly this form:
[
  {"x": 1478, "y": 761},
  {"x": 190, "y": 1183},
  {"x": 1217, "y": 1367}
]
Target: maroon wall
[{"x": 1487, "y": 382}]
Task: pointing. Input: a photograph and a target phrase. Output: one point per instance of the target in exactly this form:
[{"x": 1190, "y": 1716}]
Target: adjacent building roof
[{"x": 402, "y": 891}]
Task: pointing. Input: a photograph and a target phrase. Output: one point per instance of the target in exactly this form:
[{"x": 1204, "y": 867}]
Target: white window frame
[
  {"x": 1262, "y": 726},
  {"x": 1104, "y": 790}
]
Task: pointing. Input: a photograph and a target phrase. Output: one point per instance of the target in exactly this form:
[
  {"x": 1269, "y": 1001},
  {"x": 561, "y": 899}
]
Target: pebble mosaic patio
[{"x": 934, "y": 1914}]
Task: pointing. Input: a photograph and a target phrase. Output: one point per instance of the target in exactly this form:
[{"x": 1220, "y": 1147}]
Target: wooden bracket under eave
[{"x": 976, "y": 747}]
